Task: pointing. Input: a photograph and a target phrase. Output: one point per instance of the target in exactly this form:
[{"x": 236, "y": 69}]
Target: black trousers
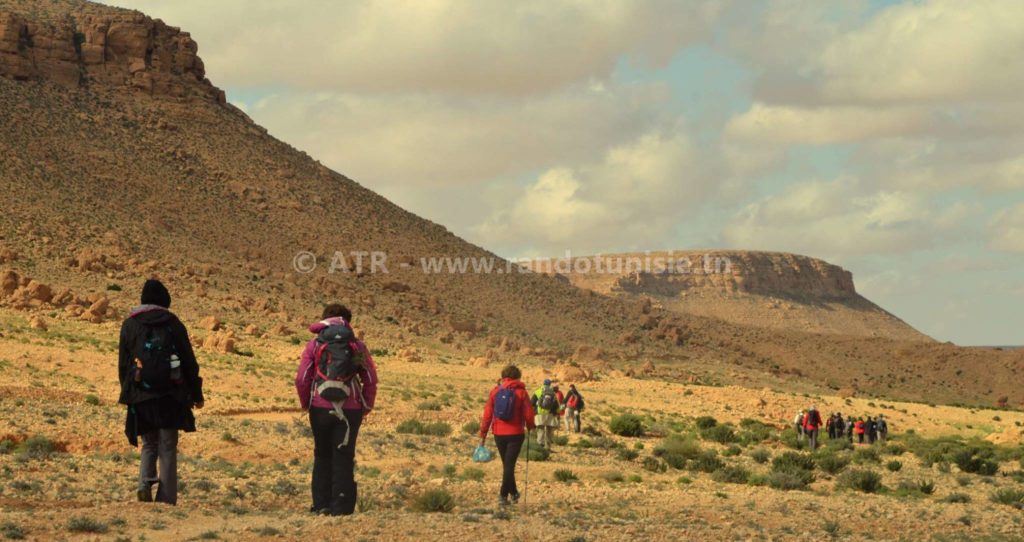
[
  {"x": 508, "y": 448},
  {"x": 334, "y": 486}
]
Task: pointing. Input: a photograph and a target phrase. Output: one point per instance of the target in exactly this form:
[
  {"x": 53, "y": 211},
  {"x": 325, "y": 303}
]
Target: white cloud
[
  {"x": 487, "y": 46},
  {"x": 838, "y": 218},
  {"x": 1007, "y": 229},
  {"x": 934, "y": 51},
  {"x": 632, "y": 197},
  {"x": 782, "y": 125},
  {"x": 388, "y": 141}
]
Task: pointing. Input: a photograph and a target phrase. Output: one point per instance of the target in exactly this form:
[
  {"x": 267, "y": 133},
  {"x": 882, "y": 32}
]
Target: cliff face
[
  {"x": 760, "y": 289},
  {"x": 675, "y": 273},
  {"x": 110, "y": 47}
]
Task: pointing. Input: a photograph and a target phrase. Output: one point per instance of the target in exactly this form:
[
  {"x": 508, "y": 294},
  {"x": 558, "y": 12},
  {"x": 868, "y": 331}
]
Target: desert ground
[{"x": 68, "y": 473}]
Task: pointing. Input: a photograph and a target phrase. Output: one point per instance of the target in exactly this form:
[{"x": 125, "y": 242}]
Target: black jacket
[{"x": 171, "y": 409}]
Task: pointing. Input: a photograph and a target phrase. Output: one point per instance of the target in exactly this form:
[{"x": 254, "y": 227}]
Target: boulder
[
  {"x": 397, "y": 287},
  {"x": 281, "y": 330},
  {"x": 37, "y": 322},
  {"x": 100, "y": 306},
  {"x": 38, "y": 291},
  {"x": 572, "y": 375},
  {"x": 410, "y": 354},
  {"x": 251, "y": 329},
  {"x": 222, "y": 342},
  {"x": 211, "y": 323},
  {"x": 8, "y": 282},
  {"x": 91, "y": 317}
]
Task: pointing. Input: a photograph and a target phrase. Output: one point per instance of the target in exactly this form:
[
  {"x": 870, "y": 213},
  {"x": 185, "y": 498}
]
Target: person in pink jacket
[{"x": 334, "y": 437}]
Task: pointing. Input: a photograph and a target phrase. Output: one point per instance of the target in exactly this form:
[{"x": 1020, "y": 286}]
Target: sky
[{"x": 886, "y": 137}]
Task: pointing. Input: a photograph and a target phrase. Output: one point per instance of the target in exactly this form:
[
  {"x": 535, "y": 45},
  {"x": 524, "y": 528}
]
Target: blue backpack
[{"x": 505, "y": 403}]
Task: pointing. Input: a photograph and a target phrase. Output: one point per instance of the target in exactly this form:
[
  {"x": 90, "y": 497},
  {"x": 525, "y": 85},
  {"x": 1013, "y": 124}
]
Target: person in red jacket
[
  {"x": 507, "y": 411},
  {"x": 812, "y": 422},
  {"x": 858, "y": 428}
]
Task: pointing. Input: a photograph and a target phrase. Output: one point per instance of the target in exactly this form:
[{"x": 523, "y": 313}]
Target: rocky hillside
[
  {"x": 138, "y": 168},
  {"x": 761, "y": 289}
]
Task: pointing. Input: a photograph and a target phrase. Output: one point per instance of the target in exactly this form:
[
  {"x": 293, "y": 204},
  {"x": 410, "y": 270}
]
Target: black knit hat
[{"x": 155, "y": 293}]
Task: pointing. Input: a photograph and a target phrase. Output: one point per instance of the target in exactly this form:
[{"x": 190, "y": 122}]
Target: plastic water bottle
[{"x": 175, "y": 367}]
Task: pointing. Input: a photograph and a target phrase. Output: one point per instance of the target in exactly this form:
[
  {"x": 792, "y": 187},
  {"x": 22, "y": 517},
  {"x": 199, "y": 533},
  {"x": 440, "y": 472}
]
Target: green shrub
[
  {"x": 894, "y": 466},
  {"x": 918, "y": 486},
  {"x": 472, "y": 473},
  {"x": 839, "y": 444},
  {"x": 471, "y": 428},
  {"x": 706, "y": 461},
  {"x": 654, "y": 464},
  {"x": 612, "y": 476},
  {"x": 635, "y": 479},
  {"x": 705, "y": 422},
  {"x": 626, "y": 454},
  {"x": 971, "y": 460},
  {"x": 415, "y": 427},
  {"x": 722, "y": 434},
  {"x": 560, "y": 440},
  {"x": 732, "y": 451},
  {"x": 732, "y": 475},
  {"x": 627, "y": 425},
  {"x": 866, "y": 455},
  {"x": 1009, "y": 496},
  {"x": 957, "y": 497},
  {"x": 430, "y": 404},
  {"x": 92, "y": 399},
  {"x": 791, "y": 479},
  {"x": 677, "y": 450},
  {"x": 83, "y": 524},
  {"x": 832, "y": 463},
  {"x": 895, "y": 449},
  {"x": 36, "y": 447},
  {"x": 565, "y": 476},
  {"x": 793, "y": 461},
  {"x": 434, "y": 500},
  {"x": 12, "y": 531},
  {"x": 535, "y": 453},
  {"x": 760, "y": 455},
  {"x": 865, "y": 481}
]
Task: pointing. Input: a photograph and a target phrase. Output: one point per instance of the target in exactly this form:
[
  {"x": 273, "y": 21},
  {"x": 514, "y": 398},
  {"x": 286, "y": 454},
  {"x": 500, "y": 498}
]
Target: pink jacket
[{"x": 307, "y": 372}]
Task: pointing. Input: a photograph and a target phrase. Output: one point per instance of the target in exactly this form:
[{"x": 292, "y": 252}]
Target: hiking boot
[
  {"x": 515, "y": 498},
  {"x": 145, "y": 493},
  {"x": 502, "y": 501}
]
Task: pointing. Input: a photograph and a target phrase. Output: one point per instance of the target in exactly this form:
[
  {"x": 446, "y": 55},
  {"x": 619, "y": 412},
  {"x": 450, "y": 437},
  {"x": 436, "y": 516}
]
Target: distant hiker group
[
  {"x": 509, "y": 413},
  {"x": 867, "y": 431}
]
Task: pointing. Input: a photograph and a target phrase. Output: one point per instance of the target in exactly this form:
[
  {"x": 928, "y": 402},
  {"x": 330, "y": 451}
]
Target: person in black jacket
[{"x": 160, "y": 384}]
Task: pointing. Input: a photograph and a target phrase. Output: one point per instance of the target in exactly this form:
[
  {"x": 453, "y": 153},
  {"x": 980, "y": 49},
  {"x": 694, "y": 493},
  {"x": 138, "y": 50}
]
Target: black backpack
[
  {"x": 153, "y": 355},
  {"x": 548, "y": 400},
  {"x": 337, "y": 359}
]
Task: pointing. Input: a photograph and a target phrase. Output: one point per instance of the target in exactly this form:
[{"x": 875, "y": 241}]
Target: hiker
[
  {"x": 872, "y": 429},
  {"x": 799, "y": 424},
  {"x": 337, "y": 385},
  {"x": 883, "y": 429},
  {"x": 812, "y": 421},
  {"x": 506, "y": 412},
  {"x": 830, "y": 426},
  {"x": 545, "y": 402},
  {"x": 858, "y": 427},
  {"x": 573, "y": 406},
  {"x": 849, "y": 428},
  {"x": 160, "y": 384},
  {"x": 839, "y": 427}
]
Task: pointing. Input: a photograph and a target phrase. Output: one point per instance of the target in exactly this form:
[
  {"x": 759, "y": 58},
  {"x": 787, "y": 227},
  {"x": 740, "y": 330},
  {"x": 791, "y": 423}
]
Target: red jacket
[
  {"x": 812, "y": 420},
  {"x": 523, "y": 414},
  {"x": 858, "y": 427}
]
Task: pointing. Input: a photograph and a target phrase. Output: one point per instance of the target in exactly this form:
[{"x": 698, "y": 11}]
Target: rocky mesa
[{"x": 88, "y": 45}]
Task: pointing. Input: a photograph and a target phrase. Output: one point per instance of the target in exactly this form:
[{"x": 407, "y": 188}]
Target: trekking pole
[{"x": 526, "y": 484}]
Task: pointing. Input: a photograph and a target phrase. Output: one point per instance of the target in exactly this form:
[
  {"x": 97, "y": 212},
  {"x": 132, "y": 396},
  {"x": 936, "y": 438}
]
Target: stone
[
  {"x": 37, "y": 322},
  {"x": 211, "y": 323}
]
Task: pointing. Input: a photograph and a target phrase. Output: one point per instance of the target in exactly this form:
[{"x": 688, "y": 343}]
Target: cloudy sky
[{"x": 886, "y": 137}]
